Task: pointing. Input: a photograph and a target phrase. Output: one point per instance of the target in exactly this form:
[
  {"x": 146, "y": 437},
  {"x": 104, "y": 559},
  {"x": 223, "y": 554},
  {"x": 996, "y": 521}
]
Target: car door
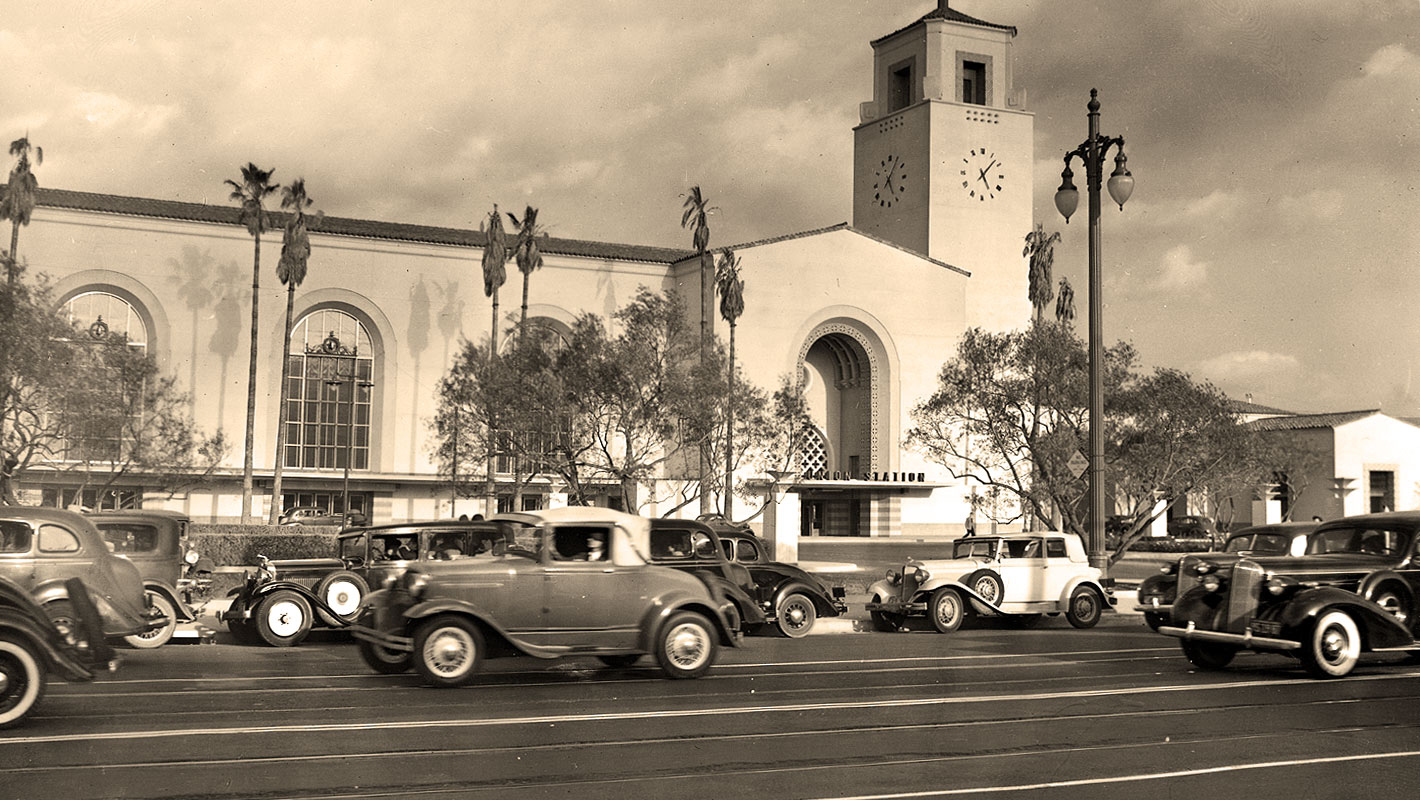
[
  {"x": 1023, "y": 570},
  {"x": 588, "y": 600},
  {"x": 17, "y": 541}
]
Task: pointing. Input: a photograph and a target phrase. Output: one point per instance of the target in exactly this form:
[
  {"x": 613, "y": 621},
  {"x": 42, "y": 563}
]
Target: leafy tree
[
  {"x": 1041, "y": 251},
  {"x": 527, "y": 254},
  {"x": 695, "y": 216},
  {"x": 291, "y": 270},
  {"x": 1065, "y": 303},
  {"x": 638, "y": 395},
  {"x": 18, "y": 204},
  {"x": 251, "y": 192},
  {"x": 732, "y": 305},
  {"x": 88, "y": 403},
  {"x": 509, "y": 412},
  {"x": 1011, "y": 409}
]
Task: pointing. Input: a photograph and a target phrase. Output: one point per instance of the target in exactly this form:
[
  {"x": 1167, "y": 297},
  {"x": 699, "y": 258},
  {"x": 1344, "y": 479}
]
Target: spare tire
[
  {"x": 987, "y": 585},
  {"x": 345, "y": 593}
]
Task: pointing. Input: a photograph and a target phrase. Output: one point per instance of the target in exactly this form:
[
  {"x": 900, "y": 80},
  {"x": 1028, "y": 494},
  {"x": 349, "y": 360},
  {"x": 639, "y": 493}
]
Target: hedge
[
  {"x": 238, "y": 545},
  {"x": 1171, "y": 545}
]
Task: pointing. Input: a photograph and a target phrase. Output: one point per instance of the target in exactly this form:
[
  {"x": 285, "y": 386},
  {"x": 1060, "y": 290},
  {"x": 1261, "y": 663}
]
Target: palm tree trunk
[
  {"x": 13, "y": 265},
  {"x": 523, "y": 320},
  {"x": 251, "y": 381},
  {"x": 275, "y": 514},
  {"x": 730, "y": 433},
  {"x": 707, "y": 307},
  {"x": 490, "y": 492}
]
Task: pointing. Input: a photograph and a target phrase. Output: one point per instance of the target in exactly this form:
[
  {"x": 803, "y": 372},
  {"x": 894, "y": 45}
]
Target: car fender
[
  {"x": 666, "y": 605},
  {"x": 749, "y": 608},
  {"x": 184, "y": 614},
  {"x": 1378, "y": 626},
  {"x": 1165, "y": 586},
  {"x": 49, "y": 591},
  {"x": 482, "y": 618},
  {"x": 1064, "y": 600},
  {"x": 1371, "y": 582},
  {"x": 44, "y": 640},
  {"x": 822, "y": 604},
  {"x": 883, "y": 589}
]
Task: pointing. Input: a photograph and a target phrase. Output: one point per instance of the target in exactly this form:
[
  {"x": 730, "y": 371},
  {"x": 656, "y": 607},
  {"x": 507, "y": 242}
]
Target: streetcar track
[
  {"x": 690, "y": 739},
  {"x": 795, "y": 708}
]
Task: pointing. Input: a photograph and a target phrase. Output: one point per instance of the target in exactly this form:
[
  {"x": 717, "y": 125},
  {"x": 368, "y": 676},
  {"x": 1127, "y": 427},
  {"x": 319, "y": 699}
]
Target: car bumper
[
  {"x": 385, "y": 639},
  {"x": 896, "y": 607},
  {"x": 1246, "y": 640}
]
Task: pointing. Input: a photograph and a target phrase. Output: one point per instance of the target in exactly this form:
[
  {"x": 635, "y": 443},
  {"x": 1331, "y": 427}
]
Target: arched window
[
  {"x": 100, "y": 419},
  {"x": 328, "y": 396}
]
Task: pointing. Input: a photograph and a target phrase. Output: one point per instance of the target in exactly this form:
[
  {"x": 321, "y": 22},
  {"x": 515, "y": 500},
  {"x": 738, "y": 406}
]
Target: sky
[{"x": 1271, "y": 245}]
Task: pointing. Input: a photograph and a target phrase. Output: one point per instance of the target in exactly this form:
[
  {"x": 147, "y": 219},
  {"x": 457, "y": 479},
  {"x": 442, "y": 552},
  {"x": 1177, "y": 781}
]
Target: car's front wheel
[
  {"x": 21, "y": 679},
  {"x": 159, "y": 636},
  {"x": 283, "y": 619},
  {"x": 1333, "y": 647},
  {"x": 796, "y": 615},
  {"x": 382, "y": 659},
  {"x": 1207, "y": 655},
  {"x": 885, "y": 621},
  {"x": 946, "y": 609},
  {"x": 1085, "y": 607},
  {"x": 1155, "y": 619},
  {"x": 686, "y": 646},
  {"x": 448, "y": 650}
]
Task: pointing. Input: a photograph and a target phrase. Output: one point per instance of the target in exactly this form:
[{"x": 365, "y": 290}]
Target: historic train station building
[{"x": 864, "y": 312}]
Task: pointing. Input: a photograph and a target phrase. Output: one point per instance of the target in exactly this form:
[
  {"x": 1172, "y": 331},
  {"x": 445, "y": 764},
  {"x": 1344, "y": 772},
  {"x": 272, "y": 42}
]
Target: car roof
[
  {"x": 574, "y": 514},
  {"x": 132, "y": 513},
  {"x": 441, "y": 524},
  {"x": 45, "y": 514},
  {"x": 1407, "y": 518},
  {"x": 1293, "y": 527}
]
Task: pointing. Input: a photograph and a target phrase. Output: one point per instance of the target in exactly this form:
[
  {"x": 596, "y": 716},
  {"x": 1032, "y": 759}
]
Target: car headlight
[
  {"x": 391, "y": 581},
  {"x": 1276, "y": 585},
  {"x": 923, "y": 575},
  {"x": 1169, "y": 568},
  {"x": 1203, "y": 569},
  {"x": 894, "y": 576},
  {"x": 415, "y": 582},
  {"x": 191, "y": 557},
  {"x": 1211, "y": 583}
]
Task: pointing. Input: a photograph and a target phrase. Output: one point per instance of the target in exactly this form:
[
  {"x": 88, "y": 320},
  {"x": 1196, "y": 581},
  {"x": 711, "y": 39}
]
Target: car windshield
[
  {"x": 1361, "y": 539},
  {"x": 453, "y": 545},
  {"x": 975, "y": 548},
  {"x": 1267, "y": 543}
]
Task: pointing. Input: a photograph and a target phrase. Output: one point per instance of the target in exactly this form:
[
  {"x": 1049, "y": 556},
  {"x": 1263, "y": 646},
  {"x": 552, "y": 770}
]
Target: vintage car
[
  {"x": 1016, "y": 576},
  {"x": 156, "y": 542},
  {"x": 313, "y": 515},
  {"x": 695, "y": 548},
  {"x": 1157, "y": 592},
  {"x": 793, "y": 598},
  {"x": 282, "y": 600},
  {"x": 1353, "y": 591},
  {"x": 576, "y": 583},
  {"x": 42, "y": 548},
  {"x": 32, "y": 647}
]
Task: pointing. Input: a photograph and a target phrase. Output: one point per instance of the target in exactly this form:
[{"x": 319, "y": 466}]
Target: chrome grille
[
  {"x": 1187, "y": 575},
  {"x": 1243, "y": 592},
  {"x": 910, "y": 582}
]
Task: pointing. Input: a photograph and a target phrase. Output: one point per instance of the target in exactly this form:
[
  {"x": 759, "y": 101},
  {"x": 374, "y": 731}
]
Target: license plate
[{"x": 1267, "y": 627}]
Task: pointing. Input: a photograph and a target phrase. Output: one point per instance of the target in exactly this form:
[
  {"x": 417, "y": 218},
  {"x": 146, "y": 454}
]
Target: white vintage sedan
[{"x": 1017, "y": 576}]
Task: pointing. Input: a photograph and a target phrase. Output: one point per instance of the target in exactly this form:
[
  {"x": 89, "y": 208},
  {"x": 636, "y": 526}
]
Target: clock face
[
  {"x": 891, "y": 175},
  {"x": 982, "y": 174}
]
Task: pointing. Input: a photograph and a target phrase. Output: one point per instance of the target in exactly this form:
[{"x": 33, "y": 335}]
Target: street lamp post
[{"x": 1092, "y": 153}]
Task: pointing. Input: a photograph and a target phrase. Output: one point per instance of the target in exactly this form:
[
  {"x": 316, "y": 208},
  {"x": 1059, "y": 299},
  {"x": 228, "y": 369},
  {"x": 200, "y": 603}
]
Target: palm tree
[
  {"x": 19, "y": 201},
  {"x": 495, "y": 256},
  {"x": 732, "y": 305},
  {"x": 252, "y": 192},
  {"x": 1065, "y": 303},
  {"x": 528, "y": 256},
  {"x": 1041, "y": 250},
  {"x": 696, "y": 217},
  {"x": 291, "y": 269}
]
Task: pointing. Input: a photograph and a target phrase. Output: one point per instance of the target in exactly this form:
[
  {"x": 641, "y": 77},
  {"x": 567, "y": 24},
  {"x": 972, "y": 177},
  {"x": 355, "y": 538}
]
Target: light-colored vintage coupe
[
  {"x": 566, "y": 582},
  {"x": 1016, "y": 576}
]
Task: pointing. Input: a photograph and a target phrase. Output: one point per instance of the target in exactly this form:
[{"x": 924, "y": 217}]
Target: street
[{"x": 1114, "y": 711}]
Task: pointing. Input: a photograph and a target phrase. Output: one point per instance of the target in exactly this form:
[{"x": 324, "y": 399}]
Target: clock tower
[{"x": 942, "y": 157}]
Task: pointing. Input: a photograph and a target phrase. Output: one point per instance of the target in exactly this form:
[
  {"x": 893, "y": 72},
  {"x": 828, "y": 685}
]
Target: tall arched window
[
  {"x": 97, "y": 423},
  {"x": 328, "y": 396}
]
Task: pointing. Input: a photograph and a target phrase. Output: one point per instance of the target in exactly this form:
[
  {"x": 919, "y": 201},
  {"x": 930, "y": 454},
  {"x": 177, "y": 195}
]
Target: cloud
[
  {"x": 1250, "y": 367},
  {"x": 1388, "y": 60},
  {"x": 1181, "y": 270}
]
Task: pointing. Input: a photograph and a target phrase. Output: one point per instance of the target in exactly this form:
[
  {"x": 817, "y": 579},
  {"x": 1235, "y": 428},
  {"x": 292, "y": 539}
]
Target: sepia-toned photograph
[{"x": 831, "y": 400}]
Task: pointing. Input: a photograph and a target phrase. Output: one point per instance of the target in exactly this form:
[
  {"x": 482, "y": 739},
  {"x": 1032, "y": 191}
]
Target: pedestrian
[{"x": 971, "y": 525}]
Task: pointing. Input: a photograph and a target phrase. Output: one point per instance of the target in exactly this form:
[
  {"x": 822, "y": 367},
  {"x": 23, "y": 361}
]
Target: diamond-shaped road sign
[{"x": 1078, "y": 463}]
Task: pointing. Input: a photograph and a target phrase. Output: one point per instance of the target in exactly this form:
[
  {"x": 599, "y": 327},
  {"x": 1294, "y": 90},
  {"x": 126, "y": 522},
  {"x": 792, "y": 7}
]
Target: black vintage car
[
  {"x": 790, "y": 596},
  {"x": 282, "y": 600},
  {"x": 1355, "y": 590},
  {"x": 1157, "y": 592},
  {"x": 32, "y": 647},
  {"x": 694, "y": 547}
]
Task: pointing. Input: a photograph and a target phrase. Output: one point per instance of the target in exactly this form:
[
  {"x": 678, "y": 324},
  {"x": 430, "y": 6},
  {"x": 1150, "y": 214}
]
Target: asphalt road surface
[{"x": 1113, "y": 712}]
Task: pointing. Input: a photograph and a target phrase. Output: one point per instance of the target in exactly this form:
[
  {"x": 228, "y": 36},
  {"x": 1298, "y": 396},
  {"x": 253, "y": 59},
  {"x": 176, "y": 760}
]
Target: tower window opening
[
  {"x": 900, "y": 87},
  {"x": 973, "y": 82}
]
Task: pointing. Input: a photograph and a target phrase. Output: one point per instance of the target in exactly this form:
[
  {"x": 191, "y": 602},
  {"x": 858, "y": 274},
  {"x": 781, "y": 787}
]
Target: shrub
[
  {"x": 1171, "y": 545},
  {"x": 238, "y": 545}
]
